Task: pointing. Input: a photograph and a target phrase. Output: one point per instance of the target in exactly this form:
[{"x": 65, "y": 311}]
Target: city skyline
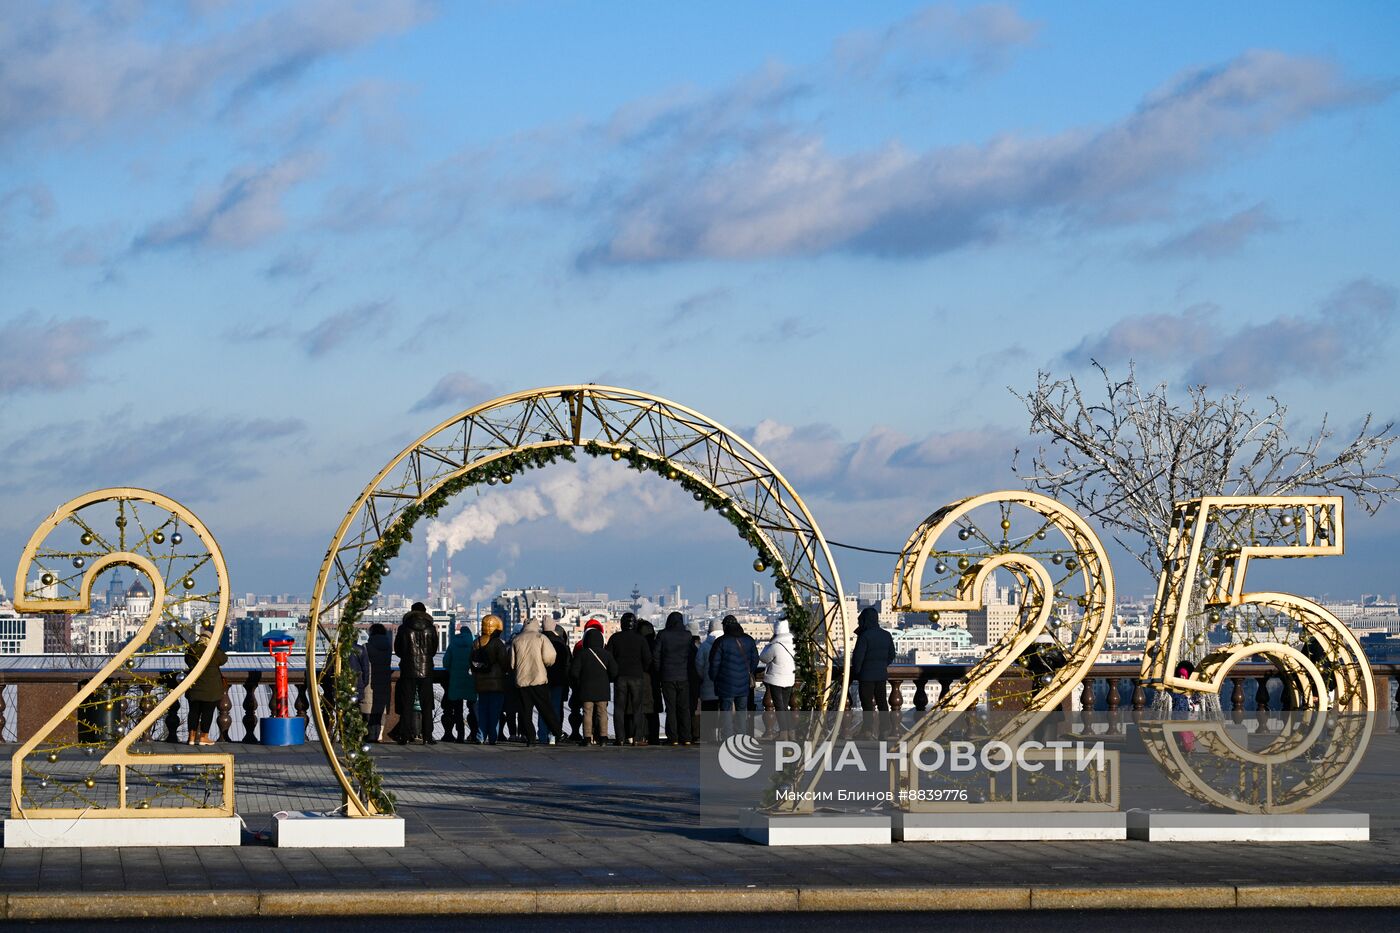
[{"x": 251, "y": 251}]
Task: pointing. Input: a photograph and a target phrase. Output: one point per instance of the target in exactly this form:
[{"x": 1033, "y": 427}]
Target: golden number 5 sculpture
[
  {"x": 1054, "y": 627},
  {"x": 1201, "y": 598},
  {"x": 94, "y": 757}
]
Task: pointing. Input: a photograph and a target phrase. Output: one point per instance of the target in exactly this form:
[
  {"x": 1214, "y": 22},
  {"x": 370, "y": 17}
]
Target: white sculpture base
[
  {"x": 306, "y": 829},
  {"x": 1312, "y": 826},
  {"x": 1009, "y": 826},
  {"x": 138, "y": 831},
  {"x": 814, "y": 829}
]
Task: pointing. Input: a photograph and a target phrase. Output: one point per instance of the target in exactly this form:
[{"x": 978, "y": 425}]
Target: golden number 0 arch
[{"x": 647, "y": 430}]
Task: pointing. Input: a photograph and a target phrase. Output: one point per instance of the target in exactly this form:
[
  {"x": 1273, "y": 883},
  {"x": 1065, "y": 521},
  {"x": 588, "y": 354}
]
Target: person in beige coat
[{"x": 531, "y": 654}]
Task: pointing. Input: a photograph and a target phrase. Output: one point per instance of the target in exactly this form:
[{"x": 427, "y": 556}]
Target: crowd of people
[{"x": 537, "y": 689}]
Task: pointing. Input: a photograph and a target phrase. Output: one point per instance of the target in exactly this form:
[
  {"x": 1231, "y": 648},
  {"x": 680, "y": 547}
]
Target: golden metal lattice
[{"x": 619, "y": 420}]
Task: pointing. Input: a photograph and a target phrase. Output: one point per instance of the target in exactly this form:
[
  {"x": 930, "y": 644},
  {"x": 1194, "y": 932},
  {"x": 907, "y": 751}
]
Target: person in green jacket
[
  {"x": 204, "y": 696},
  {"x": 461, "y": 688}
]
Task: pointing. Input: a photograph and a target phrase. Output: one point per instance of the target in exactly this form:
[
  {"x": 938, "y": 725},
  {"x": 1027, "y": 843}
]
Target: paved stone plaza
[{"x": 572, "y": 818}]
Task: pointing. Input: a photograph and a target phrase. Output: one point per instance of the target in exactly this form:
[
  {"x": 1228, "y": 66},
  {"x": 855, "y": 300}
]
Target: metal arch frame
[
  {"x": 555, "y": 417},
  {"x": 120, "y": 756}
]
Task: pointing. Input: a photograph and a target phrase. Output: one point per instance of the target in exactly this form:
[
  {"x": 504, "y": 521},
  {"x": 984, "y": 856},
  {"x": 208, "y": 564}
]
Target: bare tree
[{"x": 1126, "y": 460}]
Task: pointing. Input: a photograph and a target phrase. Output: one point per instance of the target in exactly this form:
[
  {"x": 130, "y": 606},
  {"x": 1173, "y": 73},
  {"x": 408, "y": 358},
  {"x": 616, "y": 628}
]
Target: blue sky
[{"x": 248, "y": 251}]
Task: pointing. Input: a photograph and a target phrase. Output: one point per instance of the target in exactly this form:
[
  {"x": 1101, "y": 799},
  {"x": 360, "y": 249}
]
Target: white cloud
[{"x": 766, "y": 188}]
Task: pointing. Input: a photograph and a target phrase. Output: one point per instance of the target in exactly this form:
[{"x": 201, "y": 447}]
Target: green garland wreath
[{"x": 354, "y": 729}]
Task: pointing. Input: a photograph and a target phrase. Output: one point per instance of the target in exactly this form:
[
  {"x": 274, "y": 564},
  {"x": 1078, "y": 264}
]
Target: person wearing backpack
[{"x": 592, "y": 670}]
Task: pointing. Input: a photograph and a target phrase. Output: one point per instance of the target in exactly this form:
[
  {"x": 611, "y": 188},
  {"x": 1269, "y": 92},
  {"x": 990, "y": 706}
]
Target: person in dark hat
[
  {"x": 870, "y": 666},
  {"x": 629, "y": 649},
  {"x": 675, "y": 660}
]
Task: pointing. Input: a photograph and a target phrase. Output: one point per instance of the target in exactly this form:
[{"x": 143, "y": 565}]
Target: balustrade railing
[{"x": 29, "y": 697}]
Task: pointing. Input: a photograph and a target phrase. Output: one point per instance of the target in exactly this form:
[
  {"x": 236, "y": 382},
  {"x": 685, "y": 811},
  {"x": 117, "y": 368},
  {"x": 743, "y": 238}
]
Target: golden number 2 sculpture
[
  {"x": 1057, "y": 626},
  {"x": 86, "y": 760},
  {"x": 1322, "y": 665}
]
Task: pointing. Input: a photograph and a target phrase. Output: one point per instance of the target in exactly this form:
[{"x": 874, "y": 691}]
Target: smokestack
[
  {"x": 449, "y": 582},
  {"x": 428, "y": 596}
]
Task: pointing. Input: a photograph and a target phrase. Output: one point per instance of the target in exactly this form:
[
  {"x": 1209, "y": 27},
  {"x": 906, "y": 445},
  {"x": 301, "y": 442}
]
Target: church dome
[{"x": 137, "y": 590}]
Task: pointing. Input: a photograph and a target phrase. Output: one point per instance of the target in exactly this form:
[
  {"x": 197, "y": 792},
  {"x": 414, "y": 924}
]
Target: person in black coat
[
  {"x": 697, "y": 685},
  {"x": 870, "y": 666},
  {"x": 592, "y": 670},
  {"x": 733, "y": 662},
  {"x": 558, "y": 674},
  {"x": 633, "y": 657},
  {"x": 675, "y": 662},
  {"x": 652, "y": 688},
  {"x": 379, "y": 653},
  {"x": 416, "y": 644},
  {"x": 491, "y": 664}
]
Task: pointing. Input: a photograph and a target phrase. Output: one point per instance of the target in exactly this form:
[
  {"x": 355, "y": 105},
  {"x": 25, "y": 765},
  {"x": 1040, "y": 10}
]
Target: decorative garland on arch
[{"x": 353, "y": 726}]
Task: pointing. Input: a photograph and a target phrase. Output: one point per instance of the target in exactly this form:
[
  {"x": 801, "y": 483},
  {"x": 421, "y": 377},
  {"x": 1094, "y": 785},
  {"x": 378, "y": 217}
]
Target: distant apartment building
[
  {"x": 21, "y": 634},
  {"x": 928, "y": 645},
  {"x": 854, "y": 604},
  {"x": 1000, "y": 613},
  {"x": 870, "y": 594},
  {"x": 516, "y": 607}
]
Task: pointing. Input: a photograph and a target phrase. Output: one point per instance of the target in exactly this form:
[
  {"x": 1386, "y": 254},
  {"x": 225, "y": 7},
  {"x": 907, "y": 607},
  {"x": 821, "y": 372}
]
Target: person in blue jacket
[
  {"x": 733, "y": 662},
  {"x": 870, "y": 667}
]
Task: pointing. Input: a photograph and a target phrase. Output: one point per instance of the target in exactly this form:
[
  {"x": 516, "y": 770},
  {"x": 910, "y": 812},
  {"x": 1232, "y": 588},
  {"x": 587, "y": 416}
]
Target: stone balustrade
[{"x": 29, "y": 697}]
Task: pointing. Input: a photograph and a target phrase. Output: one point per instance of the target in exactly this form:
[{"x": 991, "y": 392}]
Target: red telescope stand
[{"x": 281, "y": 728}]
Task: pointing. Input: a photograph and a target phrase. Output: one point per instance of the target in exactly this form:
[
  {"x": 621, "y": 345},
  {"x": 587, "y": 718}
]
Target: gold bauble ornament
[
  {"x": 617, "y": 455},
  {"x": 759, "y": 565}
]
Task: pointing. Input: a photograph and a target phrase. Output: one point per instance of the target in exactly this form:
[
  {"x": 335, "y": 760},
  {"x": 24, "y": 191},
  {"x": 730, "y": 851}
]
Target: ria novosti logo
[{"x": 740, "y": 756}]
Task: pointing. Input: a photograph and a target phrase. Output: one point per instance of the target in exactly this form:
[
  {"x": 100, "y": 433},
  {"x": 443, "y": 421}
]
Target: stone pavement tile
[
  {"x": 507, "y": 818},
  {"x": 183, "y": 868},
  {"x": 102, "y": 870}
]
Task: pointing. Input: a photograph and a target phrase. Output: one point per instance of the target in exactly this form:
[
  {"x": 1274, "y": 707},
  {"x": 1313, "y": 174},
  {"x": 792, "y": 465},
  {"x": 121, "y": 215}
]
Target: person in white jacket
[
  {"x": 779, "y": 658},
  {"x": 709, "y": 700}
]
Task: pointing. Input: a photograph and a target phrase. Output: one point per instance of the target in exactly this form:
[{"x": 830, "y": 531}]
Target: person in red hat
[{"x": 592, "y": 670}]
